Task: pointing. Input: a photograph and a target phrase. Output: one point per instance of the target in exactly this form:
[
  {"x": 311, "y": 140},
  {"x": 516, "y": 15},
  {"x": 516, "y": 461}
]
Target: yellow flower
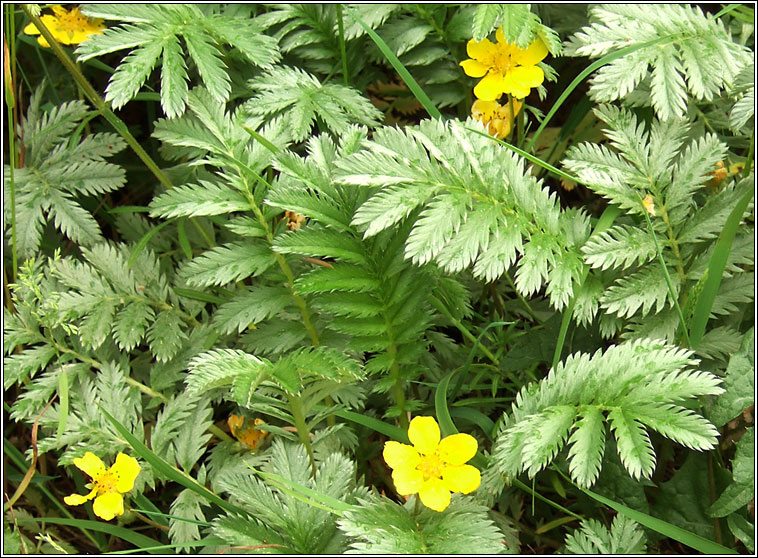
[
  {"x": 107, "y": 484},
  {"x": 250, "y": 436},
  {"x": 432, "y": 468},
  {"x": 649, "y": 204},
  {"x": 506, "y": 68},
  {"x": 68, "y": 28},
  {"x": 496, "y": 117}
]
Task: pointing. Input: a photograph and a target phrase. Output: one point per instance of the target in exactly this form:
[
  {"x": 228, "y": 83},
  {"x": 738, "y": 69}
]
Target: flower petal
[
  {"x": 491, "y": 87},
  {"x": 31, "y": 29},
  {"x": 125, "y": 469},
  {"x": 434, "y": 495},
  {"x": 90, "y": 464},
  {"x": 534, "y": 53},
  {"x": 108, "y": 505},
  {"x": 424, "y": 434},
  {"x": 407, "y": 480},
  {"x": 462, "y": 478},
  {"x": 500, "y": 36},
  {"x": 398, "y": 455},
  {"x": 458, "y": 448},
  {"x": 474, "y": 68},
  {"x": 482, "y": 50},
  {"x": 78, "y": 499},
  {"x": 520, "y": 80},
  {"x": 528, "y": 76}
]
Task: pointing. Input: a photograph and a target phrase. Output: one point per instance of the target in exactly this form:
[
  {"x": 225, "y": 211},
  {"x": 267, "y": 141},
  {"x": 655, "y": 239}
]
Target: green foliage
[
  {"x": 154, "y": 29},
  {"x": 278, "y": 517},
  {"x": 739, "y": 383},
  {"x": 700, "y": 60},
  {"x": 663, "y": 163},
  {"x": 478, "y": 206},
  {"x": 630, "y": 386},
  {"x": 60, "y": 168},
  {"x": 315, "y": 254},
  {"x": 742, "y": 490},
  {"x": 520, "y": 25},
  {"x": 302, "y": 101},
  {"x": 379, "y": 526},
  {"x": 680, "y": 500},
  {"x": 624, "y": 537}
]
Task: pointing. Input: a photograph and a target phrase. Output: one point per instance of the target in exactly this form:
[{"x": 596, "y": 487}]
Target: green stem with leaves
[
  {"x": 10, "y": 103},
  {"x": 296, "y": 407},
  {"x": 99, "y": 103},
  {"x": 343, "y": 54},
  {"x": 397, "y": 388}
]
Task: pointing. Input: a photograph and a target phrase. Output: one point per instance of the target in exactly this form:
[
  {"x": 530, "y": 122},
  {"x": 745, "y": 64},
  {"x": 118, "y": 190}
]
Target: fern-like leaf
[
  {"x": 154, "y": 29},
  {"x": 637, "y": 384}
]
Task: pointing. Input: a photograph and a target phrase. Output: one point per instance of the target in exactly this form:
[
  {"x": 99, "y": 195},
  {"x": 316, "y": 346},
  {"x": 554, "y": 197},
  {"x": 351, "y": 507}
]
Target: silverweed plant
[{"x": 378, "y": 278}]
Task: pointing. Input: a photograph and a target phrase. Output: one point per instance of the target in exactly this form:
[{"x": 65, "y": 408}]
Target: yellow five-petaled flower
[
  {"x": 68, "y": 27},
  {"x": 432, "y": 468},
  {"x": 108, "y": 485},
  {"x": 504, "y": 67}
]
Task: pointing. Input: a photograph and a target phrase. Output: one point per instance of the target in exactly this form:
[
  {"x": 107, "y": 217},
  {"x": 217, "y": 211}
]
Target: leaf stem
[
  {"x": 670, "y": 285},
  {"x": 10, "y": 102},
  {"x": 100, "y": 104},
  {"x": 296, "y": 407},
  {"x": 343, "y": 54}
]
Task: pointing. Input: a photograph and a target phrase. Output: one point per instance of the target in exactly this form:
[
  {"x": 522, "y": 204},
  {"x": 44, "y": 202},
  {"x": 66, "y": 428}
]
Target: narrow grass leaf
[
  {"x": 701, "y": 544},
  {"x": 167, "y": 470},
  {"x": 716, "y": 267},
  {"x": 143, "y": 542},
  {"x": 406, "y": 76}
]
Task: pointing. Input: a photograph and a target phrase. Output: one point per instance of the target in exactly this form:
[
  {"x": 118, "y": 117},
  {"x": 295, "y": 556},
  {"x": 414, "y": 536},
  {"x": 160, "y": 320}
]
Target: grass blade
[
  {"x": 440, "y": 406},
  {"x": 172, "y": 473},
  {"x": 376, "y": 425},
  {"x": 608, "y": 58},
  {"x": 142, "y": 542},
  {"x": 716, "y": 270},
  {"x": 406, "y": 76},
  {"x": 701, "y": 544}
]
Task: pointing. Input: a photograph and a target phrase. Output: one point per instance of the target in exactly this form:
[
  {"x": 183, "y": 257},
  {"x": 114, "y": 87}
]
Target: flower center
[
  {"x": 72, "y": 22},
  {"x": 106, "y": 482},
  {"x": 502, "y": 62},
  {"x": 431, "y": 466}
]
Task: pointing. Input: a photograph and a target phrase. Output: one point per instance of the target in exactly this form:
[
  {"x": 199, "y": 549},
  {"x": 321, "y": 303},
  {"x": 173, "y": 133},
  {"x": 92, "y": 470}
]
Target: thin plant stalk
[
  {"x": 343, "y": 54},
  {"x": 100, "y": 104}
]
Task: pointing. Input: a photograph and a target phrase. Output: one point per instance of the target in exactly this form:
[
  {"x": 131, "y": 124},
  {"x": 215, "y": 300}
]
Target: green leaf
[
  {"x": 249, "y": 307},
  {"x": 167, "y": 470},
  {"x": 739, "y": 383},
  {"x": 130, "y": 323},
  {"x": 204, "y": 198},
  {"x": 665, "y": 528},
  {"x": 679, "y": 501},
  {"x": 587, "y": 447},
  {"x": 227, "y": 263},
  {"x": 742, "y": 489},
  {"x": 624, "y": 537},
  {"x": 716, "y": 269},
  {"x": 384, "y": 527},
  {"x": 165, "y": 335},
  {"x": 486, "y": 17},
  {"x": 218, "y": 368},
  {"x": 637, "y": 384}
]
